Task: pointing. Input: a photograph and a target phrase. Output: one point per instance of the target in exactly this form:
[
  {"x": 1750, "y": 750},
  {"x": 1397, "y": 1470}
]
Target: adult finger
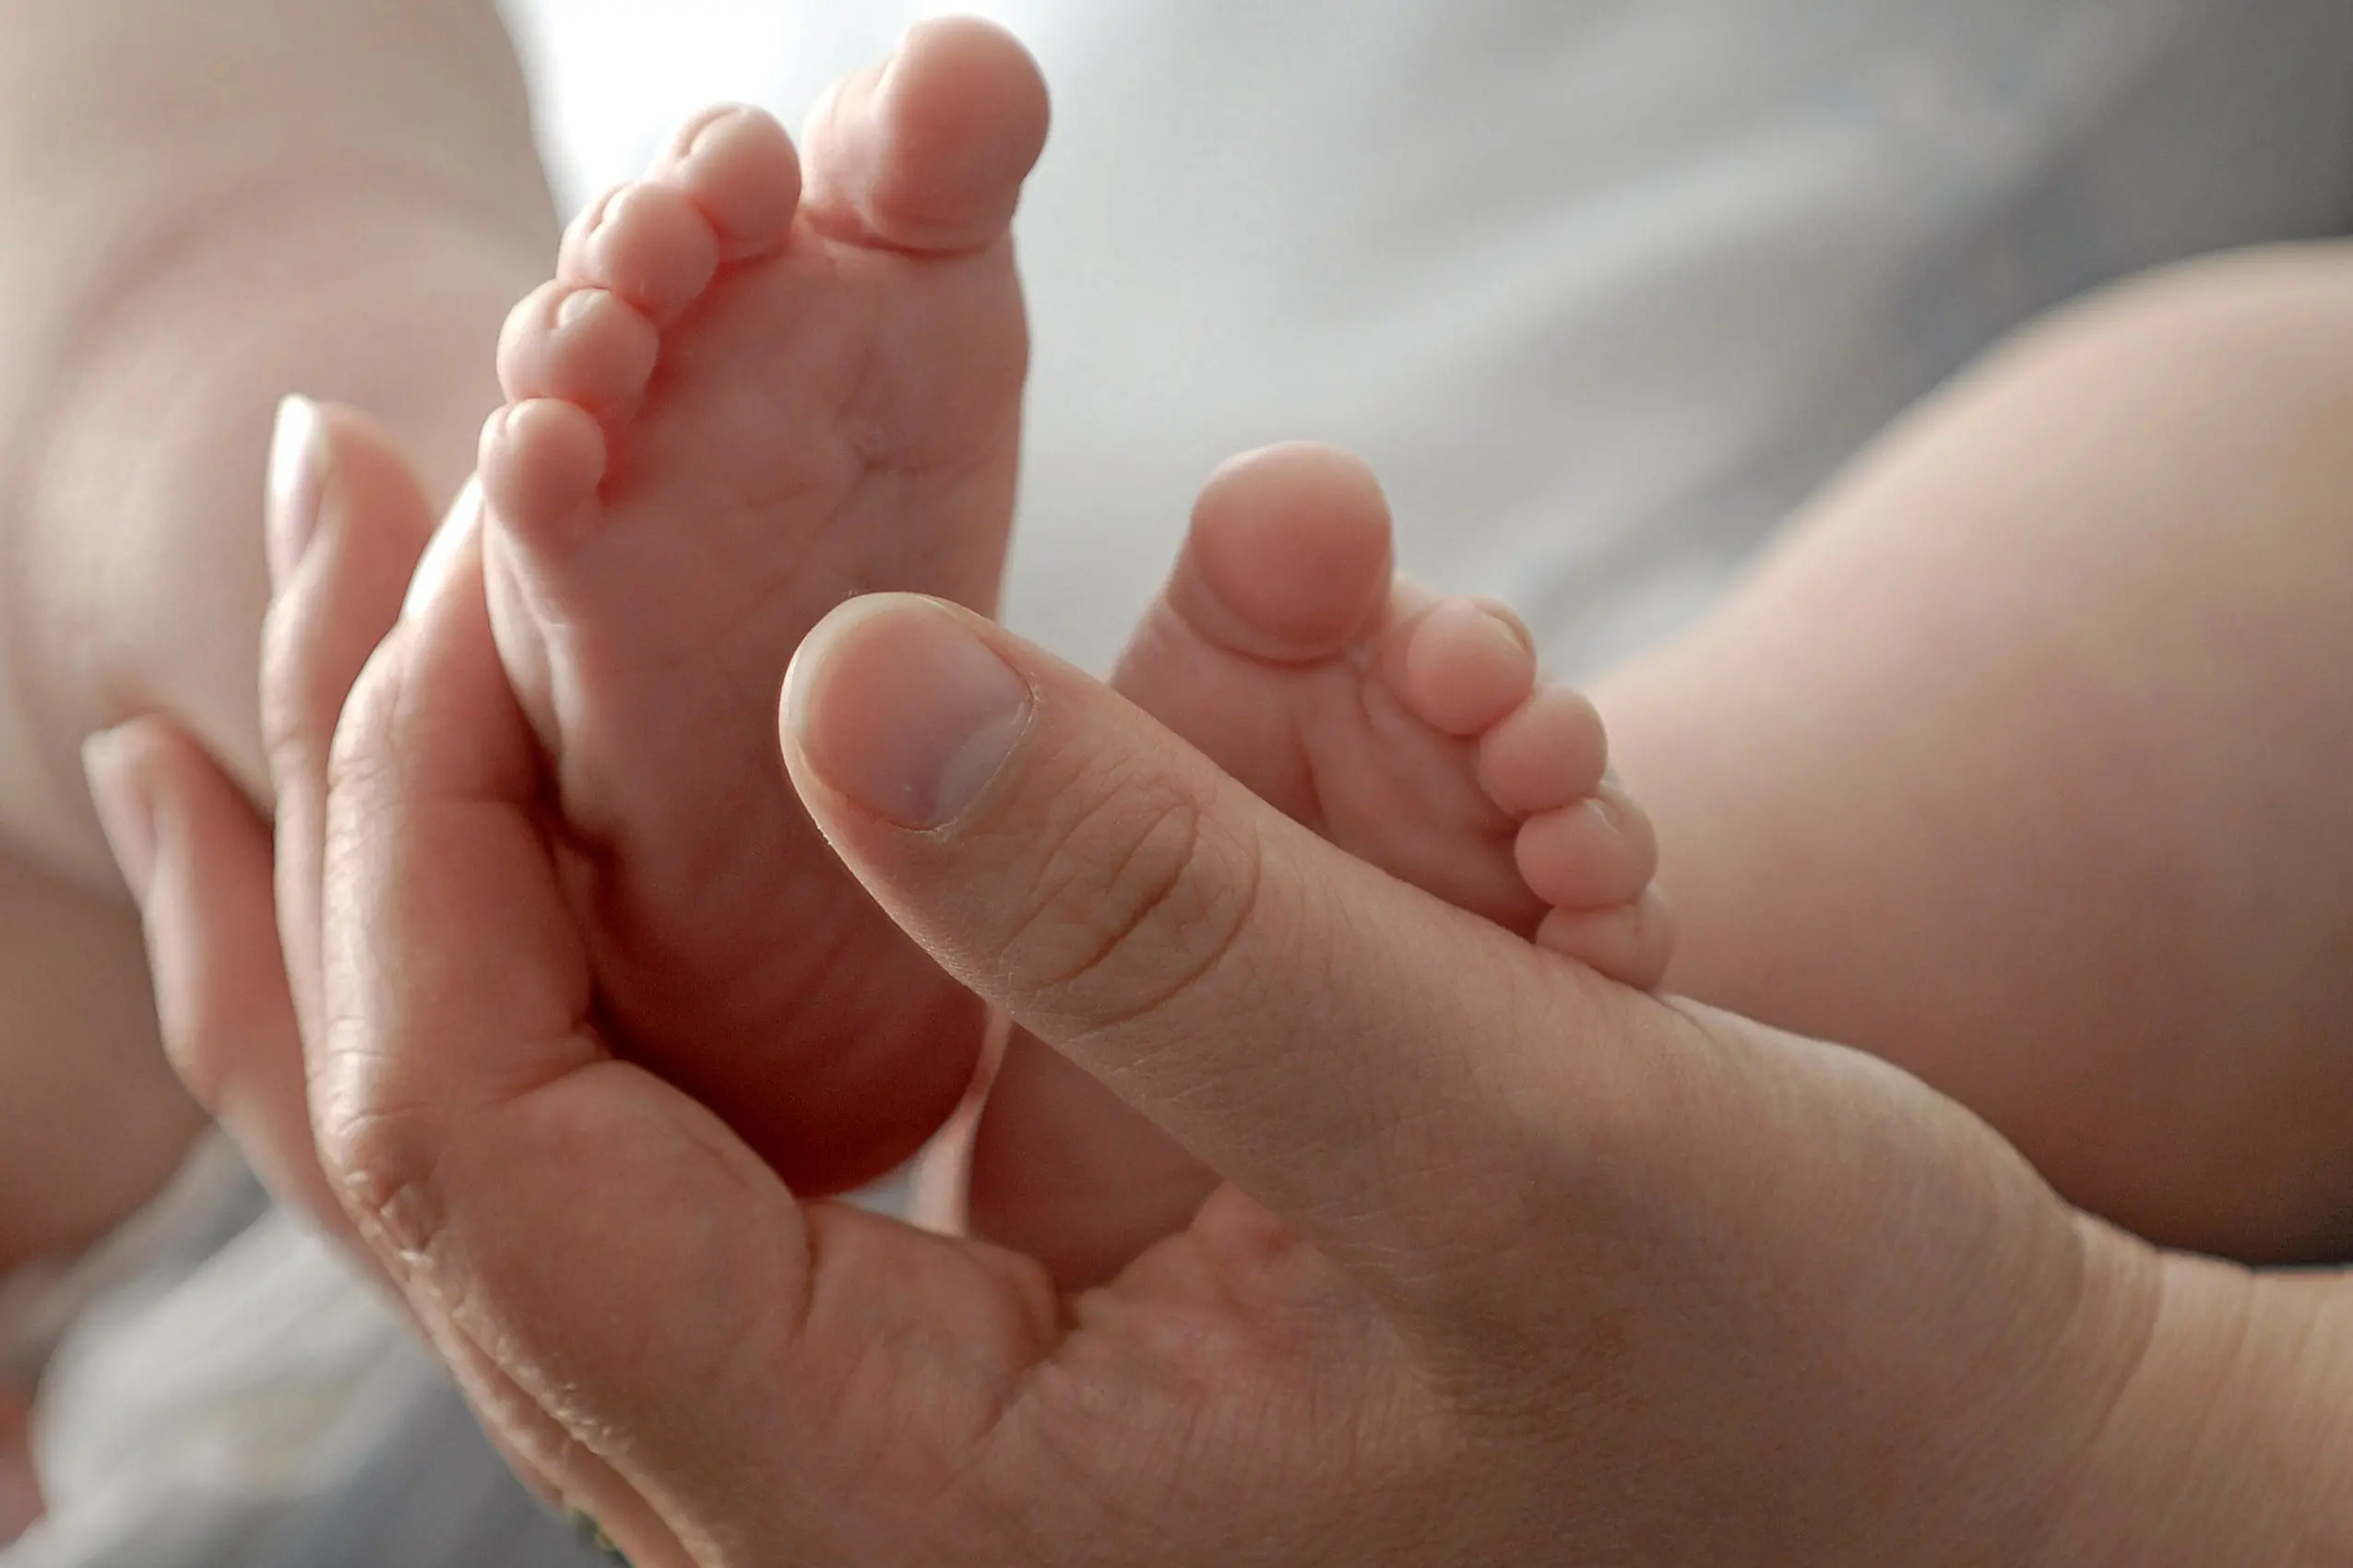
[
  {"x": 1287, "y": 1013},
  {"x": 608, "y": 1271},
  {"x": 347, "y": 523},
  {"x": 626, "y": 1289},
  {"x": 199, "y": 858},
  {"x": 241, "y": 970}
]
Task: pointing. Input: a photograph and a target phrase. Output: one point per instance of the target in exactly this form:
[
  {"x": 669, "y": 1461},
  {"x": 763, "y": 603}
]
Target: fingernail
[
  {"x": 1511, "y": 627},
  {"x": 297, "y": 483},
  {"x": 125, "y": 814},
  {"x": 703, "y": 131},
  {"x": 904, "y": 710},
  {"x": 609, "y": 211}
]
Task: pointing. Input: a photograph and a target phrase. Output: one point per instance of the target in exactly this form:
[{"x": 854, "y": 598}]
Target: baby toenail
[
  {"x": 578, "y": 303},
  {"x": 297, "y": 454},
  {"x": 614, "y": 214},
  {"x": 708, "y": 131},
  {"x": 904, "y": 710},
  {"x": 1510, "y": 624},
  {"x": 1464, "y": 625}
]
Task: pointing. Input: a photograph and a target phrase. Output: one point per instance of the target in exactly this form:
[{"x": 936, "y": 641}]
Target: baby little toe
[
  {"x": 542, "y": 462},
  {"x": 1631, "y": 944}
]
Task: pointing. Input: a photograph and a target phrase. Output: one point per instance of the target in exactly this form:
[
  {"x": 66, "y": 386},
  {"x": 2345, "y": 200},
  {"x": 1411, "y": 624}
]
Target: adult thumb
[{"x": 1290, "y": 1015}]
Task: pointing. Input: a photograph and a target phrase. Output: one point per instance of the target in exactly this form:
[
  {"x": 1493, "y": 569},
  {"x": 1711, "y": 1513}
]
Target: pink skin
[
  {"x": 1642, "y": 1252},
  {"x": 1283, "y": 637},
  {"x": 739, "y": 402},
  {"x": 760, "y": 383},
  {"x": 1407, "y": 729}
]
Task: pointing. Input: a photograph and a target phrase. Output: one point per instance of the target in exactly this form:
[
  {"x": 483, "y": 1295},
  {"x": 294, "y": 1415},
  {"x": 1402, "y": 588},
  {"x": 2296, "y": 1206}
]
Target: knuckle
[
  {"x": 1145, "y": 897},
  {"x": 354, "y": 738},
  {"x": 383, "y": 1162}
]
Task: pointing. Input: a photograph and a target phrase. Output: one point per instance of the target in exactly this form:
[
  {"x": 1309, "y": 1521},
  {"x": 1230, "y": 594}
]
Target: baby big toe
[
  {"x": 929, "y": 152},
  {"x": 1289, "y": 555}
]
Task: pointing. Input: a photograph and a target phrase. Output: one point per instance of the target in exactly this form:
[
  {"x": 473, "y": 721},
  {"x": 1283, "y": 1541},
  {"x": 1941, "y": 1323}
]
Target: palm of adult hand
[{"x": 1530, "y": 1269}]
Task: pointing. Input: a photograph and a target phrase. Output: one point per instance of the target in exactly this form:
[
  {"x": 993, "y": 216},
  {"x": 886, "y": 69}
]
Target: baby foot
[
  {"x": 740, "y": 403},
  {"x": 1409, "y": 729}
]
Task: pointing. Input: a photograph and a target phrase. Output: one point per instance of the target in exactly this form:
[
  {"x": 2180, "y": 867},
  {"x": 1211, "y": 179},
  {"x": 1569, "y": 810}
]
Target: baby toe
[
  {"x": 927, "y": 154},
  {"x": 649, "y": 243},
  {"x": 738, "y": 166},
  {"x": 540, "y": 464},
  {"x": 1631, "y": 944},
  {"x": 582, "y": 345},
  {"x": 1550, "y": 752},
  {"x": 1288, "y": 557},
  {"x": 1467, "y": 663},
  {"x": 1600, "y": 851}
]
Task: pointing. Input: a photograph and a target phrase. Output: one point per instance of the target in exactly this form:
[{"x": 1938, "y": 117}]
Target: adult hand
[{"x": 1513, "y": 1265}]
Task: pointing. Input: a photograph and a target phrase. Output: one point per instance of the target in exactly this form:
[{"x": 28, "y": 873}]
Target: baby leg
[{"x": 2023, "y": 764}]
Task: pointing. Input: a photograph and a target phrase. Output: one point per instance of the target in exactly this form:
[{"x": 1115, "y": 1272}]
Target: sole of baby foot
[{"x": 763, "y": 380}]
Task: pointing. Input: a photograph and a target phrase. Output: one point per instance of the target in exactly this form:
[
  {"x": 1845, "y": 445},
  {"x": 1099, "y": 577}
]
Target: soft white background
[{"x": 1603, "y": 288}]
